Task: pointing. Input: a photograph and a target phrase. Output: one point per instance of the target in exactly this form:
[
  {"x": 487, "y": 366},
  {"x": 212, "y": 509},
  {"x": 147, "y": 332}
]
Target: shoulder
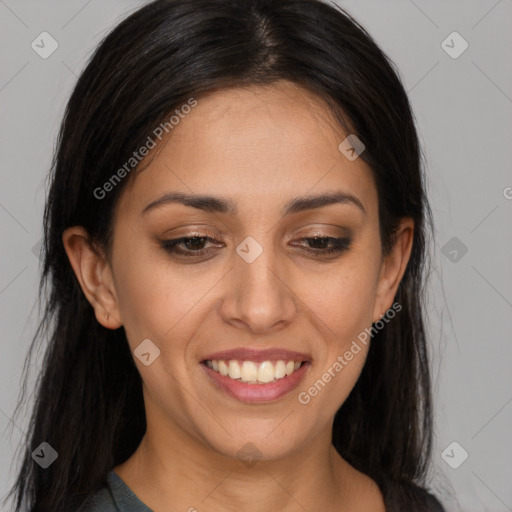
[
  {"x": 114, "y": 496},
  {"x": 409, "y": 497},
  {"x": 101, "y": 501}
]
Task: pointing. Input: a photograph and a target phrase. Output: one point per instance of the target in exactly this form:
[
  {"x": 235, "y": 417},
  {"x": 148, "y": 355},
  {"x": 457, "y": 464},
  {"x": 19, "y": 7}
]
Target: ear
[
  {"x": 94, "y": 275},
  {"x": 393, "y": 267}
]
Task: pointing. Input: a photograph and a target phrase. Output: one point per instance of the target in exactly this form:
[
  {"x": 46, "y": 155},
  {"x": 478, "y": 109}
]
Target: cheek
[
  {"x": 150, "y": 299},
  {"x": 342, "y": 309},
  {"x": 343, "y": 300},
  {"x": 160, "y": 301}
]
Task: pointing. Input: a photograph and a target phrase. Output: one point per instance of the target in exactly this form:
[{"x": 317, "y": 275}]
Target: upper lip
[{"x": 258, "y": 355}]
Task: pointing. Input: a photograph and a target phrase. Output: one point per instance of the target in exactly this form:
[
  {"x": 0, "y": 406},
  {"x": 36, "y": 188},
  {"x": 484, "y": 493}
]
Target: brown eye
[
  {"x": 191, "y": 246},
  {"x": 327, "y": 244}
]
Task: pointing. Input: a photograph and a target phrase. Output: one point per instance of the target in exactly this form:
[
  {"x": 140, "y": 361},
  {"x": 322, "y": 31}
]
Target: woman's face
[{"x": 262, "y": 287}]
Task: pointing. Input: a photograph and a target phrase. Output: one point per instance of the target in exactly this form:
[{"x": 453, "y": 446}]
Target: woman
[{"x": 235, "y": 250}]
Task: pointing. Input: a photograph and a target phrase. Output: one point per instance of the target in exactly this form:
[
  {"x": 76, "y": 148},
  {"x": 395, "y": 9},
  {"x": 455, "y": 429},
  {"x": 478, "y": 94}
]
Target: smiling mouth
[{"x": 251, "y": 372}]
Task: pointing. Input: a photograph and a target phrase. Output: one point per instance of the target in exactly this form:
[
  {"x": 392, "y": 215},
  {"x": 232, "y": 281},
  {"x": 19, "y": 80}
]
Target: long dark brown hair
[{"x": 88, "y": 403}]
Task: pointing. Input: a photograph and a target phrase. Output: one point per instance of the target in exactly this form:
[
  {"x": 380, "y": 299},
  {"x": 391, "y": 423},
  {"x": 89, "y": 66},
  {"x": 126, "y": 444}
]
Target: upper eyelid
[
  {"x": 181, "y": 239},
  {"x": 214, "y": 238}
]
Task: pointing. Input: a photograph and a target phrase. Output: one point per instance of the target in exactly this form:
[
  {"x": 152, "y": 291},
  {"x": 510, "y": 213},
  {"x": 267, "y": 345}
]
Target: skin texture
[{"x": 259, "y": 147}]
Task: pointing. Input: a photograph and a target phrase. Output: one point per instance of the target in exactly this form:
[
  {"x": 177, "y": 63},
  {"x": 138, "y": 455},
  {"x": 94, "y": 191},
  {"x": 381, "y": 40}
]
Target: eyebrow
[{"x": 215, "y": 204}]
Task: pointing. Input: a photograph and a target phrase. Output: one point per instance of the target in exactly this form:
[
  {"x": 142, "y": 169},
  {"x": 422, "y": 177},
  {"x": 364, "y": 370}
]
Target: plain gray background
[{"x": 463, "y": 108}]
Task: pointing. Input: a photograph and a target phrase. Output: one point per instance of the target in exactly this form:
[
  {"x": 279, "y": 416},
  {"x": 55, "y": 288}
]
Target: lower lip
[{"x": 258, "y": 393}]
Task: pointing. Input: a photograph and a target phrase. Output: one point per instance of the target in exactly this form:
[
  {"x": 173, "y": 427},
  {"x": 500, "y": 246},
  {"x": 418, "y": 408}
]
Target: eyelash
[{"x": 339, "y": 245}]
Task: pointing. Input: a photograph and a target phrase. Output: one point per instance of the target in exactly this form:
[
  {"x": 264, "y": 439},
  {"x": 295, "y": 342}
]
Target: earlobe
[
  {"x": 393, "y": 267},
  {"x": 94, "y": 275}
]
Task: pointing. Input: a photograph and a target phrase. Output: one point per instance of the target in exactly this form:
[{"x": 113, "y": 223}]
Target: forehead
[
  {"x": 257, "y": 144},
  {"x": 237, "y": 120}
]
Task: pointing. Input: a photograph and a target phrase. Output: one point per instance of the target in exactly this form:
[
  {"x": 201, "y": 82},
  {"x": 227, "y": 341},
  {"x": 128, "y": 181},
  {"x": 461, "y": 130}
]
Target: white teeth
[
  {"x": 234, "y": 370},
  {"x": 249, "y": 372},
  {"x": 254, "y": 373},
  {"x": 280, "y": 370},
  {"x": 223, "y": 368},
  {"x": 266, "y": 372}
]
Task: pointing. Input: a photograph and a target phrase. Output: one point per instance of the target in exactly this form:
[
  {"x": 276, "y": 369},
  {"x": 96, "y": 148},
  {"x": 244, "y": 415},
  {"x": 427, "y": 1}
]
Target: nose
[{"x": 260, "y": 295}]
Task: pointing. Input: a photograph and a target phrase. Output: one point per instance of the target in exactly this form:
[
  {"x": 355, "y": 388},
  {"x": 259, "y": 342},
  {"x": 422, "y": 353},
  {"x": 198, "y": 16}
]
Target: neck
[{"x": 193, "y": 477}]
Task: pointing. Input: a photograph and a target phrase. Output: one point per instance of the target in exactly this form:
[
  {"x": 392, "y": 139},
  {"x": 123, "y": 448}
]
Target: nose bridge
[{"x": 260, "y": 297}]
